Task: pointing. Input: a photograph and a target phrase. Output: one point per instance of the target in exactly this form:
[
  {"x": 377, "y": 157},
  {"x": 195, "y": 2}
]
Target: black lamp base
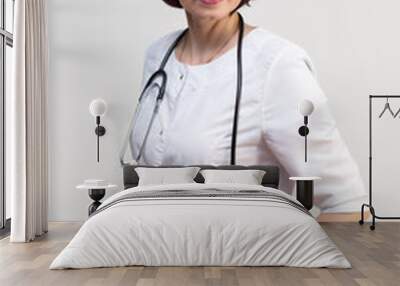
[
  {"x": 100, "y": 130},
  {"x": 304, "y": 131}
]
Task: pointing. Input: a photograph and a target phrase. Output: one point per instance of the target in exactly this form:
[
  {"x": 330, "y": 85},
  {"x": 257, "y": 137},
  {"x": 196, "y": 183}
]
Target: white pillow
[
  {"x": 166, "y": 176},
  {"x": 247, "y": 177}
]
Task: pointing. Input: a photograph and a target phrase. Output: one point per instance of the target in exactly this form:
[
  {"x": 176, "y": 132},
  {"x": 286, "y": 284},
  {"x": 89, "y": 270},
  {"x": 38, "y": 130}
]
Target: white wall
[{"x": 97, "y": 48}]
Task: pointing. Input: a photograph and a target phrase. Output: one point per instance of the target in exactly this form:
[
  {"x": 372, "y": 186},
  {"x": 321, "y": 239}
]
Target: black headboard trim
[{"x": 270, "y": 179}]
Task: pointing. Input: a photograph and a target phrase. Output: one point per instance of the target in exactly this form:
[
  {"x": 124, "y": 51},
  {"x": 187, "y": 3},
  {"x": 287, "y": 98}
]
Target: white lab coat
[{"x": 194, "y": 123}]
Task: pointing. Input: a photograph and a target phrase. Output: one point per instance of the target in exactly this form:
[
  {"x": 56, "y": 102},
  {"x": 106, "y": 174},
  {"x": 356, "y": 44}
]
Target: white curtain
[{"x": 28, "y": 122}]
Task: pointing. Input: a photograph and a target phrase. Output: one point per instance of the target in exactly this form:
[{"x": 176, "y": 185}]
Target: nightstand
[
  {"x": 305, "y": 190},
  {"x": 97, "y": 190}
]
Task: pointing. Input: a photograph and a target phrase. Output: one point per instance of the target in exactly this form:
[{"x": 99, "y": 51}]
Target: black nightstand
[
  {"x": 96, "y": 193},
  {"x": 305, "y": 190}
]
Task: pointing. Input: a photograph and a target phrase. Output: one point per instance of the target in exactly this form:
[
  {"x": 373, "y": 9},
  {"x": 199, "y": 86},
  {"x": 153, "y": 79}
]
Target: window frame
[{"x": 6, "y": 39}]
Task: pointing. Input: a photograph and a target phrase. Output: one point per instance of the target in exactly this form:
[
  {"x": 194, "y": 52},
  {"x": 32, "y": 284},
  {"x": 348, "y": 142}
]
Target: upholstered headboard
[{"x": 271, "y": 177}]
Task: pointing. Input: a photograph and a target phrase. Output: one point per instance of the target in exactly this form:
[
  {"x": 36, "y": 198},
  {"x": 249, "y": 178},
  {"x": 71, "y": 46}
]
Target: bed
[{"x": 201, "y": 224}]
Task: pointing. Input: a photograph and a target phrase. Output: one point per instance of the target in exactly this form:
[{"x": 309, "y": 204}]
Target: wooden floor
[{"x": 375, "y": 257}]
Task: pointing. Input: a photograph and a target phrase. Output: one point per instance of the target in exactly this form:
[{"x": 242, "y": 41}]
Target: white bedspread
[{"x": 200, "y": 231}]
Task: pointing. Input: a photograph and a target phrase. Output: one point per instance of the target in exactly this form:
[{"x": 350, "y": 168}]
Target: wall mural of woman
[{"x": 193, "y": 122}]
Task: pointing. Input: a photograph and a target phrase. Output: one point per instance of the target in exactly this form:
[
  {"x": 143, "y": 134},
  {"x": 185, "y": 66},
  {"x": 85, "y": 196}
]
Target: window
[{"x": 6, "y": 44}]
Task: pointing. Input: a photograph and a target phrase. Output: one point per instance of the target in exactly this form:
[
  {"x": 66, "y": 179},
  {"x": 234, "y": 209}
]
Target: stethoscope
[{"x": 162, "y": 75}]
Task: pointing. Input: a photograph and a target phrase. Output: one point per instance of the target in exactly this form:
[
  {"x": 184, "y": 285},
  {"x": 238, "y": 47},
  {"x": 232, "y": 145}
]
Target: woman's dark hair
[{"x": 176, "y": 4}]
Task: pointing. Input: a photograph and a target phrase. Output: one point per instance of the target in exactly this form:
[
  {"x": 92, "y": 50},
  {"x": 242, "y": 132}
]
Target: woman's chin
[{"x": 210, "y": 15}]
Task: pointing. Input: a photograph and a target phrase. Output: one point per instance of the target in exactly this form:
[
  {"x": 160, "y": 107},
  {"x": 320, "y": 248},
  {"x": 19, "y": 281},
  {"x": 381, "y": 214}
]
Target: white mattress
[{"x": 200, "y": 232}]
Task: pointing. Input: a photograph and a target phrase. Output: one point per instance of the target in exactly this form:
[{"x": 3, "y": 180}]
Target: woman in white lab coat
[{"x": 194, "y": 123}]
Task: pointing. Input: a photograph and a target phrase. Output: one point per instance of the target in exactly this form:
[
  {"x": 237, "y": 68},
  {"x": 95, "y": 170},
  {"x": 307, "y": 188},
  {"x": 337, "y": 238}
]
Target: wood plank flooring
[{"x": 375, "y": 257}]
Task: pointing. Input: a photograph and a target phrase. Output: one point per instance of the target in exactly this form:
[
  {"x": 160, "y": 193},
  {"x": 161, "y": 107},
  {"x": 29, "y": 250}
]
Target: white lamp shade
[
  {"x": 98, "y": 107},
  {"x": 306, "y": 107}
]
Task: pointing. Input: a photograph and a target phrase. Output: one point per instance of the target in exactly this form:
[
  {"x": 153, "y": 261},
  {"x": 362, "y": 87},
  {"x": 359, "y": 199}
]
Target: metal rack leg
[
  {"x": 372, "y": 211},
  {"x": 374, "y": 216},
  {"x": 361, "y": 221}
]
